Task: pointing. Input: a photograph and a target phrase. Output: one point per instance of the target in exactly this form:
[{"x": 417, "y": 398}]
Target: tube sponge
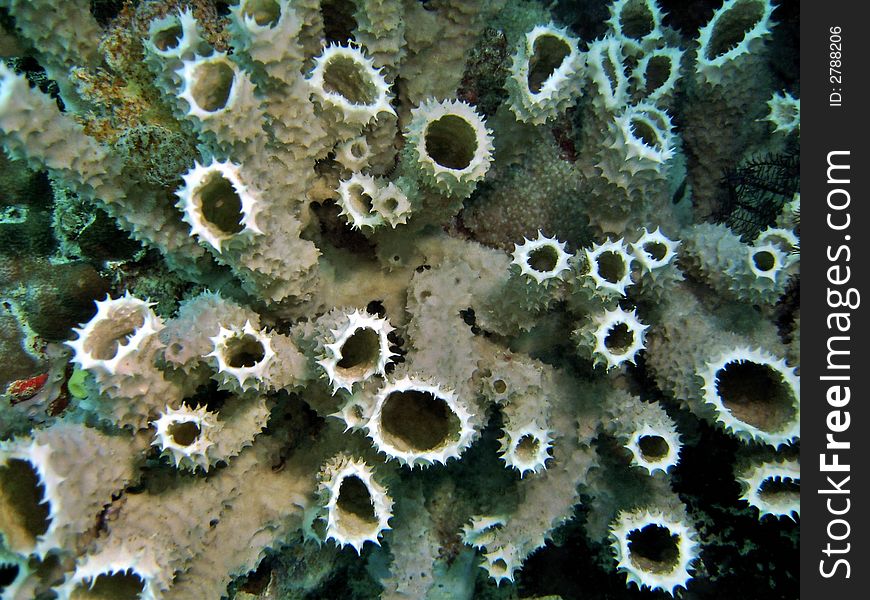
[
  {"x": 266, "y": 33},
  {"x": 187, "y": 337},
  {"x": 612, "y": 337},
  {"x": 655, "y": 77},
  {"x": 419, "y": 423},
  {"x": 119, "y": 347},
  {"x": 220, "y": 99},
  {"x": 380, "y": 28},
  {"x": 654, "y": 251},
  {"x": 242, "y": 356},
  {"x": 219, "y": 206},
  {"x": 526, "y": 449},
  {"x": 113, "y": 575},
  {"x": 196, "y": 438},
  {"x": 785, "y": 112},
  {"x": 637, "y": 24},
  {"x": 358, "y": 508},
  {"x": 645, "y": 430},
  {"x": 641, "y": 139},
  {"x": 49, "y": 495},
  {"x": 172, "y": 39},
  {"x": 638, "y": 536},
  {"x": 502, "y": 563},
  {"x": 368, "y": 203},
  {"x": 688, "y": 335},
  {"x": 356, "y": 350},
  {"x": 32, "y": 127},
  {"x": 754, "y": 394},
  {"x": 606, "y": 70},
  {"x": 115, "y": 340},
  {"x": 752, "y": 273},
  {"x": 606, "y": 269},
  {"x": 543, "y": 259},
  {"x": 655, "y": 447},
  {"x": 738, "y": 28},
  {"x": 354, "y": 154},
  {"x": 449, "y": 145},
  {"x": 186, "y": 434},
  {"x": 772, "y": 487},
  {"x": 544, "y": 70},
  {"x": 349, "y": 89},
  {"x": 657, "y": 256}
]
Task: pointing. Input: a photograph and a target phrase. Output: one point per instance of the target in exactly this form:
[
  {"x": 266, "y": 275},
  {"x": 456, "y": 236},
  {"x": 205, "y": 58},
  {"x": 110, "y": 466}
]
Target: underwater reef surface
[{"x": 422, "y": 299}]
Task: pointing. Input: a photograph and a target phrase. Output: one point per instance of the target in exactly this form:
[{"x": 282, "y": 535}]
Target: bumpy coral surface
[{"x": 418, "y": 300}]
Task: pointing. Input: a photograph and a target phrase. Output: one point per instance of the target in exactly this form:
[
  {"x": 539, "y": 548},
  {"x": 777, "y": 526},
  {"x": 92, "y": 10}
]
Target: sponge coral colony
[{"x": 413, "y": 343}]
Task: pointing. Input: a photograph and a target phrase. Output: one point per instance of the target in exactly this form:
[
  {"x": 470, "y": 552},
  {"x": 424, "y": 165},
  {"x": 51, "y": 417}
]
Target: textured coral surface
[{"x": 398, "y": 299}]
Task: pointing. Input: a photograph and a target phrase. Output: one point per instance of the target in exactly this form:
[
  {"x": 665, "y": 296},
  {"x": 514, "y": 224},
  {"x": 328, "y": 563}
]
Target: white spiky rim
[
  {"x": 664, "y": 430},
  {"x": 792, "y": 208},
  {"x": 354, "y": 412},
  {"x": 353, "y": 154},
  {"x": 187, "y": 42},
  {"x": 785, "y": 112},
  {"x": 116, "y": 561},
  {"x": 37, "y": 455},
  {"x": 711, "y": 68},
  {"x": 522, "y": 460},
  {"x": 241, "y": 86},
  {"x": 480, "y": 531},
  {"x": 245, "y": 15},
  {"x": 785, "y": 240},
  {"x": 645, "y": 258},
  {"x": 352, "y": 207},
  {"x": 392, "y": 204},
  {"x": 522, "y": 256},
  {"x": 687, "y": 550},
  {"x": 447, "y": 178},
  {"x": 496, "y": 389},
  {"x": 16, "y": 588},
  {"x": 127, "y": 321},
  {"x": 781, "y": 505},
  {"x": 552, "y": 86},
  {"x": 605, "y": 323},
  {"x": 592, "y": 255},
  {"x": 502, "y": 563},
  {"x": 614, "y": 94},
  {"x": 356, "y": 322},
  {"x": 669, "y": 85},
  {"x": 789, "y": 432},
  {"x": 252, "y": 377},
  {"x": 645, "y": 42},
  {"x": 780, "y": 260},
  {"x": 658, "y": 122},
  {"x": 350, "y": 530},
  {"x": 357, "y": 113},
  {"x": 190, "y": 202},
  {"x": 195, "y": 454},
  {"x": 537, "y": 107},
  {"x": 451, "y": 447}
]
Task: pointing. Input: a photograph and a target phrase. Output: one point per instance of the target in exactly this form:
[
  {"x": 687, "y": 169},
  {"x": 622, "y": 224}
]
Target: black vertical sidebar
[{"x": 835, "y": 268}]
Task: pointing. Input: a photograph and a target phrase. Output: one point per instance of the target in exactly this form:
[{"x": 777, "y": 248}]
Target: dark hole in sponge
[
  {"x": 244, "y": 351},
  {"x": 451, "y": 142},
  {"x": 548, "y": 53},
  {"x": 756, "y": 394},
  {"x": 654, "y": 549},
  {"x": 417, "y": 421}
]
